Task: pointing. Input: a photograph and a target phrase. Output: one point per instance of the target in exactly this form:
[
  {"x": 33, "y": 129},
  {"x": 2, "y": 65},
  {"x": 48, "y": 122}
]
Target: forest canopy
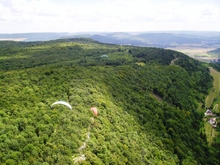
[{"x": 147, "y": 99}]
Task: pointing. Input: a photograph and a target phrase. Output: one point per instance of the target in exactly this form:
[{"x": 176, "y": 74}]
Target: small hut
[
  {"x": 208, "y": 113},
  {"x": 213, "y": 122}
]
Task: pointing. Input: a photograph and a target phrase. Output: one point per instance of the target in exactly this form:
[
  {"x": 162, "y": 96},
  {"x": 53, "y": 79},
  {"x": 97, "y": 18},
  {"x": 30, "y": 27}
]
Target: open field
[
  {"x": 212, "y": 100},
  {"x": 214, "y": 93},
  {"x": 199, "y": 53},
  {"x": 210, "y": 132}
]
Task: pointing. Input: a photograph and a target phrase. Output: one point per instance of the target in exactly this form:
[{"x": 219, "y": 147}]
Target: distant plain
[{"x": 199, "y": 53}]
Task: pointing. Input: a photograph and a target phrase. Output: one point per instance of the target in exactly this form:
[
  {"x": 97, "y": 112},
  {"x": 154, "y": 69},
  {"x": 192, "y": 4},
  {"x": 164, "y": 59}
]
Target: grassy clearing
[
  {"x": 214, "y": 93},
  {"x": 210, "y": 98},
  {"x": 15, "y": 56},
  {"x": 213, "y": 100},
  {"x": 210, "y": 132},
  {"x": 216, "y": 107},
  {"x": 140, "y": 63}
]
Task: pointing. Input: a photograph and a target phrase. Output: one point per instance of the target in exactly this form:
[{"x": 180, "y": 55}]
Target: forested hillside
[{"x": 147, "y": 101}]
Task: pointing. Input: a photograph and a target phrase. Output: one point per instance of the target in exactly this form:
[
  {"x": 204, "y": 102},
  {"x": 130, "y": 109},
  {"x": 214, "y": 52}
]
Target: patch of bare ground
[{"x": 157, "y": 97}]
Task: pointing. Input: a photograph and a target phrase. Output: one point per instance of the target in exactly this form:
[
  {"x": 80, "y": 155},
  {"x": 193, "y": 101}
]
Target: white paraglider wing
[{"x": 63, "y": 103}]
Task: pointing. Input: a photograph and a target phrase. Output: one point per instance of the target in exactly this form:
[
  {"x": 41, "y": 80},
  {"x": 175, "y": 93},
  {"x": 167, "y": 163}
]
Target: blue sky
[{"x": 20, "y": 16}]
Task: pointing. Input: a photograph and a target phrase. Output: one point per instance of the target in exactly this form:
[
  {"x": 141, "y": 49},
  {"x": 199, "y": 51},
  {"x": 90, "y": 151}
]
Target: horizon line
[{"x": 113, "y": 31}]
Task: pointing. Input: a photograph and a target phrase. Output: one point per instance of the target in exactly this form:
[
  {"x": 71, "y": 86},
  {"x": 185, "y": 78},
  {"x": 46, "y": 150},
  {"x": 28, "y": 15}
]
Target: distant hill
[
  {"x": 215, "y": 52},
  {"x": 150, "y": 39},
  {"x": 32, "y": 36},
  {"x": 157, "y": 39}
]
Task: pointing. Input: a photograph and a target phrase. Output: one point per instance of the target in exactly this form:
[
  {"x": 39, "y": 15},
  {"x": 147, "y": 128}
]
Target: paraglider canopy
[
  {"x": 104, "y": 56},
  {"x": 63, "y": 103},
  {"x": 94, "y": 110}
]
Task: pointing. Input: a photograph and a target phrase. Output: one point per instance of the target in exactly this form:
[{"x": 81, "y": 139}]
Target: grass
[
  {"x": 214, "y": 93},
  {"x": 210, "y": 98},
  {"x": 140, "y": 63},
  {"x": 194, "y": 51},
  {"x": 213, "y": 100},
  {"x": 198, "y": 53},
  {"x": 210, "y": 132},
  {"x": 16, "y": 56}
]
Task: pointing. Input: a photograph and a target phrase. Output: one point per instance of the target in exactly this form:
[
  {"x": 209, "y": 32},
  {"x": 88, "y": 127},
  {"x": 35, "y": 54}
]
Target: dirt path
[
  {"x": 82, "y": 157},
  {"x": 172, "y": 62}
]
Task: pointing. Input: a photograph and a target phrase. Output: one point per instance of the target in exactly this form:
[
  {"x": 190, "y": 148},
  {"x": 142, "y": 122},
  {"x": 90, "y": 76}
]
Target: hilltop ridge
[{"x": 148, "y": 108}]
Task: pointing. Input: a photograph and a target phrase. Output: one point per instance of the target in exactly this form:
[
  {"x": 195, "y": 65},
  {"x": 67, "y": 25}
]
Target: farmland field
[{"x": 198, "y": 53}]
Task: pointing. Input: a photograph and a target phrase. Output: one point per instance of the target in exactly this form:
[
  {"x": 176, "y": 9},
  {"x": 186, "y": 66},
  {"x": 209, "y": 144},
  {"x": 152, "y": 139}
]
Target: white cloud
[{"x": 114, "y": 15}]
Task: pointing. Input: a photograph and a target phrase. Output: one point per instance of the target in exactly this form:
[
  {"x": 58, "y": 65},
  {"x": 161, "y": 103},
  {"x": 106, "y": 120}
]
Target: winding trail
[
  {"x": 172, "y": 62},
  {"x": 82, "y": 156},
  {"x": 87, "y": 139},
  {"x": 79, "y": 158}
]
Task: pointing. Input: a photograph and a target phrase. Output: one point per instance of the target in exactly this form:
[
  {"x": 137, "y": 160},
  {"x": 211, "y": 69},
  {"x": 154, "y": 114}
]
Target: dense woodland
[{"x": 147, "y": 98}]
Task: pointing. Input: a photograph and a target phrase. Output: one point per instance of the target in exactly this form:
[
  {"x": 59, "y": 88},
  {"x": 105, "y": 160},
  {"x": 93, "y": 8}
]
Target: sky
[{"x": 22, "y": 16}]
